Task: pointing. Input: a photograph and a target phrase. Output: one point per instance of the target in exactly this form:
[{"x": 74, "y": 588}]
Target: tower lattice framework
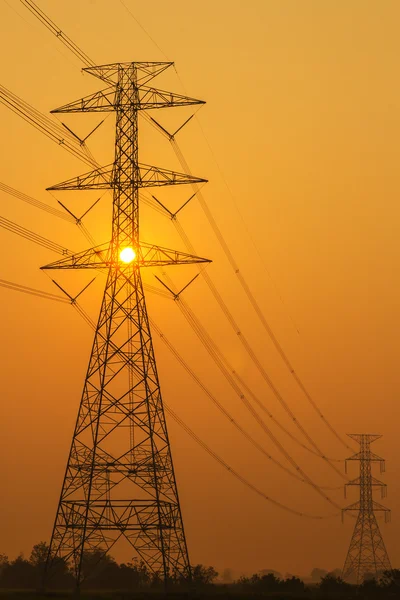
[
  {"x": 120, "y": 481},
  {"x": 367, "y": 553}
]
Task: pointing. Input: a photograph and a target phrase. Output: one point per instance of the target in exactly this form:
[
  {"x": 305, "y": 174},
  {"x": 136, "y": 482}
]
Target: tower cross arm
[
  {"x": 108, "y": 100},
  {"x": 108, "y": 177},
  {"x": 98, "y": 179},
  {"x": 354, "y": 506},
  {"x": 379, "y": 507},
  {"x": 106, "y": 256},
  {"x": 154, "y": 98},
  {"x": 370, "y": 456},
  {"x": 373, "y": 480},
  {"x": 145, "y": 70},
  {"x": 102, "y": 101},
  {"x": 375, "y": 506}
]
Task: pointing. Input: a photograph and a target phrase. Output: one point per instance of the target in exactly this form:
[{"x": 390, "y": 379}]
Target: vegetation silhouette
[{"x": 109, "y": 580}]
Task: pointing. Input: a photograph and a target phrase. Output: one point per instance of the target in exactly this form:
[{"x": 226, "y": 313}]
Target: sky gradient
[{"x": 303, "y": 121}]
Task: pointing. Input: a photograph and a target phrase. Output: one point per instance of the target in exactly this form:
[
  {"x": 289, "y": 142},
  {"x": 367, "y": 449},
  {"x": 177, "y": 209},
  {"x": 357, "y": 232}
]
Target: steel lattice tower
[
  {"x": 120, "y": 481},
  {"x": 367, "y": 553}
]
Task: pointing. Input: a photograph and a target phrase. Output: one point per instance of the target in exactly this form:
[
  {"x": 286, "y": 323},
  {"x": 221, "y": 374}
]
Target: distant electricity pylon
[
  {"x": 119, "y": 480},
  {"x": 367, "y": 553}
]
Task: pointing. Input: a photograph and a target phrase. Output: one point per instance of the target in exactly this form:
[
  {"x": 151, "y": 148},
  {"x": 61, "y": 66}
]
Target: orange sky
[{"x": 302, "y": 115}]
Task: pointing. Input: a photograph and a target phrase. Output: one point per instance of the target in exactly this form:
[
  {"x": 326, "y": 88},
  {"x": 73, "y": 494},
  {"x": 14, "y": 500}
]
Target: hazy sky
[{"x": 302, "y": 116}]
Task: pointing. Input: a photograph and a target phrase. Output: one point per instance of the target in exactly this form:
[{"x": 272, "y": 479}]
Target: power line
[
  {"x": 55, "y": 30},
  {"x": 60, "y": 36},
  {"x": 222, "y": 409},
  {"x": 220, "y": 362},
  {"x": 36, "y": 203},
  {"x": 43, "y": 124},
  {"x": 88, "y": 62},
  {"x": 242, "y": 479},
  {"x": 203, "y": 444},
  {"x": 32, "y": 236},
  {"x": 17, "y": 287},
  {"x": 245, "y": 343},
  {"x": 253, "y": 300},
  {"x": 143, "y": 29},
  {"x": 46, "y": 295}
]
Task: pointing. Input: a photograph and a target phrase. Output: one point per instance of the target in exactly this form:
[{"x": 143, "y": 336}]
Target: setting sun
[{"x": 127, "y": 255}]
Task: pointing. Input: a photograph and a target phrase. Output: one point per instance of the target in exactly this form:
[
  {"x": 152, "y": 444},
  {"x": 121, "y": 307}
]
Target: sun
[{"x": 127, "y": 255}]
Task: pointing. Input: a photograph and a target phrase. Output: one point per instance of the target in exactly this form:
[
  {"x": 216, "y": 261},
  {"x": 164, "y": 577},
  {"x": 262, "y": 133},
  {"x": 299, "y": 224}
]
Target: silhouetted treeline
[
  {"x": 104, "y": 574},
  {"x": 99, "y": 573}
]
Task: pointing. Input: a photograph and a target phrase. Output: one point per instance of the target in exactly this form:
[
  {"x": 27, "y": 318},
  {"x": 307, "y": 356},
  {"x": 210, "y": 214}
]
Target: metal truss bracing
[
  {"x": 367, "y": 555},
  {"x": 119, "y": 480}
]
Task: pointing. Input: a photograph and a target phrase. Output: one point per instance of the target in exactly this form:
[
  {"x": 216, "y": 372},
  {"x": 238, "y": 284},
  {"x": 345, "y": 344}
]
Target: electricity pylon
[
  {"x": 367, "y": 553},
  {"x": 120, "y": 481}
]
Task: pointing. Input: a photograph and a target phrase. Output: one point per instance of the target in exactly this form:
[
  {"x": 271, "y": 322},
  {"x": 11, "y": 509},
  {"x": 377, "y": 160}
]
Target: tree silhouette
[
  {"x": 333, "y": 586},
  {"x": 202, "y": 575}
]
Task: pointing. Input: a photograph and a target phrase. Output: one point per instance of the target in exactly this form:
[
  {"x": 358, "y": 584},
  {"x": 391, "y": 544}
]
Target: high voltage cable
[
  {"x": 257, "y": 309},
  {"x": 216, "y": 356},
  {"x": 52, "y": 27},
  {"x": 35, "y": 115},
  {"x": 154, "y": 205},
  {"x": 32, "y": 236},
  {"x": 244, "y": 284},
  {"x": 194, "y": 436},
  {"x": 146, "y": 199},
  {"x": 49, "y": 209},
  {"x": 222, "y": 409},
  {"x": 195, "y": 322},
  {"x": 245, "y": 482},
  {"x": 226, "y": 369},
  {"x": 260, "y": 255},
  {"x": 17, "y": 287},
  {"x": 37, "y": 203},
  {"x": 252, "y": 299},
  {"x": 84, "y": 58},
  {"x": 249, "y": 350},
  {"x": 43, "y": 124},
  {"x": 143, "y": 29},
  {"x": 243, "y": 340},
  {"x": 88, "y": 62},
  {"x": 42, "y": 294},
  {"x": 55, "y": 133}
]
